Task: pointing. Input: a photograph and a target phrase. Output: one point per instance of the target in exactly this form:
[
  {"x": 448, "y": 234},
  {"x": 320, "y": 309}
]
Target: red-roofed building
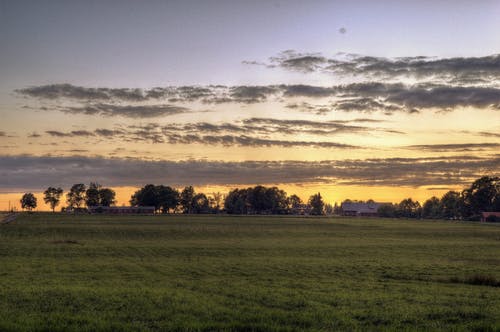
[{"x": 487, "y": 216}]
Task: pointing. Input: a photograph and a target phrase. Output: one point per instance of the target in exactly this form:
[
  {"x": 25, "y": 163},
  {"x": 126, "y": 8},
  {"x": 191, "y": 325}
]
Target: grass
[{"x": 203, "y": 273}]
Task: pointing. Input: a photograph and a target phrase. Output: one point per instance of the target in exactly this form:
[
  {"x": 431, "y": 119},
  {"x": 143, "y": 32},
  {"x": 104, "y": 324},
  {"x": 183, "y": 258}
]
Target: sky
[{"x": 355, "y": 99}]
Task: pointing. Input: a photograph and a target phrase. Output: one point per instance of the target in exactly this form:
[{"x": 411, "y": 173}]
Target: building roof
[
  {"x": 361, "y": 207},
  {"x": 487, "y": 214},
  {"x": 122, "y": 207}
]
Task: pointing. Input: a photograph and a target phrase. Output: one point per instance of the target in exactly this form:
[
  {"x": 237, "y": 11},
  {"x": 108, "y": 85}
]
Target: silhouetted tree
[
  {"x": 200, "y": 204},
  {"x": 387, "y": 211},
  {"x": 146, "y": 196},
  {"x": 76, "y": 195},
  {"x": 409, "y": 208},
  {"x": 483, "y": 195},
  {"x": 294, "y": 202},
  {"x": 451, "y": 205},
  {"x": 28, "y": 202},
  {"x": 337, "y": 209},
  {"x": 52, "y": 196},
  {"x": 186, "y": 199},
  {"x": 329, "y": 209},
  {"x": 97, "y": 195},
  {"x": 278, "y": 203},
  {"x": 257, "y": 200},
  {"x": 236, "y": 202},
  {"x": 168, "y": 198},
  {"x": 107, "y": 197},
  {"x": 317, "y": 204},
  {"x": 92, "y": 194},
  {"x": 217, "y": 199},
  {"x": 432, "y": 208}
]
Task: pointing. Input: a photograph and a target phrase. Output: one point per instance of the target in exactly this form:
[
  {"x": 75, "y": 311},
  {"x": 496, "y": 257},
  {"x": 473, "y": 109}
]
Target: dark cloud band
[
  {"x": 35, "y": 173},
  {"x": 359, "y": 97},
  {"x": 461, "y": 70}
]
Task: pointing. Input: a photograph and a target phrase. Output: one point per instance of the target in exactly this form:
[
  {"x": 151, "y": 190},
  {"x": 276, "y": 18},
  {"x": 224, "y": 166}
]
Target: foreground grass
[{"x": 199, "y": 273}]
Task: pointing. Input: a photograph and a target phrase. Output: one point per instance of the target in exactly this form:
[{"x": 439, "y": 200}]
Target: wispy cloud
[
  {"x": 129, "y": 111},
  {"x": 251, "y": 132},
  {"x": 457, "y": 147}
]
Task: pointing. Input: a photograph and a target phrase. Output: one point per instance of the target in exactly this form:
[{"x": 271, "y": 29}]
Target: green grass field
[{"x": 204, "y": 273}]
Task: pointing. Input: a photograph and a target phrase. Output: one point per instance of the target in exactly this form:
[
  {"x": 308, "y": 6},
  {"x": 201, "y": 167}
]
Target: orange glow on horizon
[{"x": 331, "y": 194}]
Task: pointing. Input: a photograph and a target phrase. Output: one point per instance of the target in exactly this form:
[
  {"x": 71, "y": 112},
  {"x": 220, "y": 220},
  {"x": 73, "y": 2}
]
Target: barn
[
  {"x": 357, "y": 209},
  {"x": 490, "y": 216}
]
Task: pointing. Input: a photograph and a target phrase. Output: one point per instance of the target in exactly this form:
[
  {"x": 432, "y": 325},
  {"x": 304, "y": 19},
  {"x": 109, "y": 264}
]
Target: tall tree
[
  {"x": 28, "y": 201},
  {"x": 409, "y": 208},
  {"x": 76, "y": 195},
  {"x": 217, "y": 200},
  {"x": 92, "y": 194},
  {"x": 168, "y": 198},
  {"x": 107, "y": 197},
  {"x": 451, "y": 205},
  {"x": 236, "y": 201},
  {"x": 200, "y": 203},
  {"x": 277, "y": 200},
  {"x": 387, "y": 210},
  {"x": 186, "y": 200},
  {"x": 317, "y": 204},
  {"x": 329, "y": 209},
  {"x": 259, "y": 200},
  {"x": 294, "y": 201},
  {"x": 483, "y": 195},
  {"x": 146, "y": 196},
  {"x": 432, "y": 208},
  {"x": 52, "y": 196}
]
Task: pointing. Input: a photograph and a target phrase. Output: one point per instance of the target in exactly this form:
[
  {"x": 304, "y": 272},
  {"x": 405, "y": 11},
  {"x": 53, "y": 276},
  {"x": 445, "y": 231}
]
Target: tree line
[
  {"x": 252, "y": 200},
  {"x": 483, "y": 195},
  {"x": 78, "y": 196}
]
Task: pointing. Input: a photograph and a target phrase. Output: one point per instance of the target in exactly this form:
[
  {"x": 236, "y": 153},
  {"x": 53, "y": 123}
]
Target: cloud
[
  {"x": 75, "y": 133},
  {"x": 247, "y": 141},
  {"x": 129, "y": 111},
  {"x": 459, "y": 70},
  {"x": 69, "y": 91},
  {"x": 311, "y": 91},
  {"x": 252, "y": 94},
  {"x": 251, "y": 132},
  {"x": 310, "y": 108},
  {"x": 159, "y": 135},
  {"x": 489, "y": 134},
  {"x": 303, "y": 62},
  {"x": 359, "y": 97},
  {"x": 460, "y": 147},
  {"x": 36, "y": 173},
  {"x": 390, "y": 98}
]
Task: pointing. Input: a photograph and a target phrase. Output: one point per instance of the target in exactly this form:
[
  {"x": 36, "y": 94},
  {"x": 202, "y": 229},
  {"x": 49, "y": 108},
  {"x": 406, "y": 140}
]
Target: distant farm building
[
  {"x": 302, "y": 209},
  {"x": 122, "y": 209},
  {"x": 490, "y": 216},
  {"x": 356, "y": 209}
]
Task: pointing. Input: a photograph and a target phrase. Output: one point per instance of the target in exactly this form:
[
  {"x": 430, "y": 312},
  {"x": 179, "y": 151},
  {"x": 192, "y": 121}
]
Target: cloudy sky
[{"x": 355, "y": 99}]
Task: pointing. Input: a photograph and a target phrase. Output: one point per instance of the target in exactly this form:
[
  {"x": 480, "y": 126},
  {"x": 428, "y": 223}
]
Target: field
[{"x": 202, "y": 273}]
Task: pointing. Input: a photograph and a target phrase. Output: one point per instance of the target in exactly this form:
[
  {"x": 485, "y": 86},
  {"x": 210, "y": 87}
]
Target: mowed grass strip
[{"x": 242, "y": 273}]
